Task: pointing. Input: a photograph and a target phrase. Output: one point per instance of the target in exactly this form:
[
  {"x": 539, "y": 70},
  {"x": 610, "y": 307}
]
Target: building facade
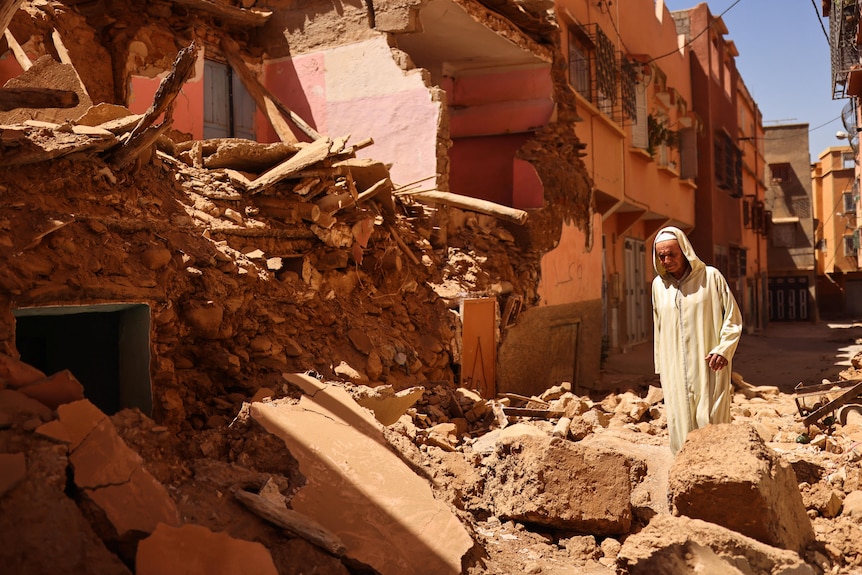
[
  {"x": 789, "y": 204},
  {"x": 631, "y": 81},
  {"x": 836, "y": 213},
  {"x": 843, "y": 221},
  {"x": 729, "y": 232}
]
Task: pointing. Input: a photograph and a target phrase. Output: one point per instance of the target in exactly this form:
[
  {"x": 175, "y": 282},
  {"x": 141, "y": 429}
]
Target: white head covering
[{"x": 665, "y": 236}]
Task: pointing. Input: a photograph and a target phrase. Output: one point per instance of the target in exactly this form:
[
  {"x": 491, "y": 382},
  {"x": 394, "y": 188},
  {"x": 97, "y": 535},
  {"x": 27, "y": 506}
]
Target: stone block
[
  {"x": 725, "y": 474},
  {"x": 560, "y": 484}
]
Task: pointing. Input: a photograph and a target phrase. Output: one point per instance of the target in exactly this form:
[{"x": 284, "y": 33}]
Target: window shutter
[{"x": 688, "y": 154}]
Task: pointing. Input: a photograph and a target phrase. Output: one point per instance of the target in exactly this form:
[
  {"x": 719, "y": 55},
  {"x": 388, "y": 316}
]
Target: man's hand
[{"x": 715, "y": 362}]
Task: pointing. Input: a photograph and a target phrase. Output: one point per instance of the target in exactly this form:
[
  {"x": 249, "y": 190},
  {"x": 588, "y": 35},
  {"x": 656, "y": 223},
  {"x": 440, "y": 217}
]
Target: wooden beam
[
  {"x": 265, "y": 102},
  {"x": 254, "y": 17},
  {"x": 63, "y": 53},
  {"x": 11, "y": 98},
  {"x": 7, "y": 10},
  {"x": 17, "y": 51},
  {"x": 472, "y": 204},
  {"x": 310, "y": 154},
  {"x": 141, "y": 138}
]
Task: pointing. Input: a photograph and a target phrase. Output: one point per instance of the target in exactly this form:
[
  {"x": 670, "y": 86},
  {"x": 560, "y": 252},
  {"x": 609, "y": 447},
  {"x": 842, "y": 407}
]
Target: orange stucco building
[
  {"x": 835, "y": 190},
  {"x": 640, "y": 150}
]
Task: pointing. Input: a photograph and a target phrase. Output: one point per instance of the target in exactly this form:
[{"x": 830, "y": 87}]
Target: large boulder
[
  {"x": 557, "y": 483},
  {"x": 725, "y": 474}
]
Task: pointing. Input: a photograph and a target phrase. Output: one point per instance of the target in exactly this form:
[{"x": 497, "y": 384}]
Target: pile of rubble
[{"x": 343, "y": 478}]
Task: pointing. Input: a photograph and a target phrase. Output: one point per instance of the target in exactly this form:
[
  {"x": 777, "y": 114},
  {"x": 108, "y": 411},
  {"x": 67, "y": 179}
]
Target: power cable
[
  {"x": 698, "y": 35},
  {"x": 819, "y": 19}
]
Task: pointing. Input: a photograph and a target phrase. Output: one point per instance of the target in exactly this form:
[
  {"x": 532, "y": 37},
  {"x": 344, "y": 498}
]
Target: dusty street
[{"x": 783, "y": 355}]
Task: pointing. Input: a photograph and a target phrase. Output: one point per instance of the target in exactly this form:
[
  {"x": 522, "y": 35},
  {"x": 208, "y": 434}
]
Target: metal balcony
[{"x": 844, "y": 48}]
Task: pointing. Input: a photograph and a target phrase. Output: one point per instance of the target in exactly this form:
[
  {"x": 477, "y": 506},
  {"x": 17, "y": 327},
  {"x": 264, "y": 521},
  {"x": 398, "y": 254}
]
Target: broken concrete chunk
[
  {"x": 15, "y": 373},
  {"x": 395, "y": 524},
  {"x": 61, "y": 387},
  {"x": 78, "y": 419},
  {"x": 721, "y": 465},
  {"x": 560, "y": 484},
  {"x": 685, "y": 546},
  {"x": 853, "y": 505},
  {"x": 195, "y": 550},
  {"x": 386, "y": 404},
  {"x": 112, "y": 477},
  {"x": 349, "y": 373}
]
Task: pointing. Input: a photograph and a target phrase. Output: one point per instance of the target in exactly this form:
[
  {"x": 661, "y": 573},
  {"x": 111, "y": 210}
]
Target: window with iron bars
[
  {"x": 594, "y": 70},
  {"x": 851, "y": 244},
  {"x": 728, "y": 165}
]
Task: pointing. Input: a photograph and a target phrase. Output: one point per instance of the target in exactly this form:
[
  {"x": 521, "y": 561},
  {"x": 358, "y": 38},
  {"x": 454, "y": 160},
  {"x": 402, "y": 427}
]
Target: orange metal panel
[{"x": 479, "y": 346}]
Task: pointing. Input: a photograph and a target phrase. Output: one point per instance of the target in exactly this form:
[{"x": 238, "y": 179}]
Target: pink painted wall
[
  {"x": 491, "y": 116},
  {"x": 482, "y": 167},
  {"x": 527, "y": 189},
  {"x": 188, "y": 113},
  {"x": 300, "y": 84},
  {"x": 359, "y": 90},
  {"x": 9, "y": 67},
  {"x": 570, "y": 273}
]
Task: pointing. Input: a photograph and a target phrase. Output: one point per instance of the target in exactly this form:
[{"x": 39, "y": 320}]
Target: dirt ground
[{"x": 783, "y": 355}]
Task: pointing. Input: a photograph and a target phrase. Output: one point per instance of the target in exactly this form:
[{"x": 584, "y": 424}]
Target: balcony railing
[{"x": 846, "y": 69}]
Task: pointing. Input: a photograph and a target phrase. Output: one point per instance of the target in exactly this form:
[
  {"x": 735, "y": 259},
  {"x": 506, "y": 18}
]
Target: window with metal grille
[
  {"x": 780, "y": 173},
  {"x": 851, "y": 244},
  {"x": 757, "y": 217},
  {"x": 579, "y": 62},
  {"x": 728, "y": 165},
  {"x": 606, "y": 72},
  {"x": 628, "y": 86},
  {"x": 747, "y": 212},
  {"x": 594, "y": 71},
  {"x": 737, "y": 262},
  {"x": 849, "y": 203}
]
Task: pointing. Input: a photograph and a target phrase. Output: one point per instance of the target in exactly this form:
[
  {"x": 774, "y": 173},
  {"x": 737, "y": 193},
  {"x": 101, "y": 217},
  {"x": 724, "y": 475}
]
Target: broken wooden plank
[
  {"x": 331, "y": 203},
  {"x": 308, "y": 155},
  {"x": 141, "y": 137},
  {"x": 241, "y": 154},
  {"x": 63, "y": 53},
  {"x": 537, "y": 413},
  {"x": 234, "y": 15},
  {"x": 401, "y": 245},
  {"x": 7, "y": 10},
  {"x": 29, "y": 146},
  {"x": 12, "y": 98},
  {"x": 288, "y": 210},
  {"x": 472, "y": 204},
  {"x": 292, "y": 521},
  {"x": 265, "y": 101},
  {"x": 17, "y": 51}
]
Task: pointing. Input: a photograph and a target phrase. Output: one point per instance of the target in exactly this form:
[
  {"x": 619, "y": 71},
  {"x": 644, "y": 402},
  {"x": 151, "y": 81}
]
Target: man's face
[{"x": 670, "y": 256}]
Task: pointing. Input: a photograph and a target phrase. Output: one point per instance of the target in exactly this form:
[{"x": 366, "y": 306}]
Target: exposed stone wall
[{"x": 544, "y": 346}]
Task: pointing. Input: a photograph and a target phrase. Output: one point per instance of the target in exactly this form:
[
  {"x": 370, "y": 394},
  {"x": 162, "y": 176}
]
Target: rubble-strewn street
[
  {"x": 318, "y": 484},
  {"x": 222, "y": 356}
]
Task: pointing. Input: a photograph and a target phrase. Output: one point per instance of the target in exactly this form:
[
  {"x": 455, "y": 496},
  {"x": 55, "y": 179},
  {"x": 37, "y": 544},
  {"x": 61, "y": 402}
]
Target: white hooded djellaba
[{"x": 692, "y": 318}]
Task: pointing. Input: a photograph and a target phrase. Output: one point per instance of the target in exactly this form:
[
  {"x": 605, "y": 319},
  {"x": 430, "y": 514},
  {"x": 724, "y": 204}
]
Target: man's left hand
[{"x": 715, "y": 362}]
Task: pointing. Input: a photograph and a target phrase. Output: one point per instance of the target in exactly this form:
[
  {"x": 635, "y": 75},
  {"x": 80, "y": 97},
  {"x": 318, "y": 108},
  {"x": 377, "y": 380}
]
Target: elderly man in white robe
[{"x": 697, "y": 326}]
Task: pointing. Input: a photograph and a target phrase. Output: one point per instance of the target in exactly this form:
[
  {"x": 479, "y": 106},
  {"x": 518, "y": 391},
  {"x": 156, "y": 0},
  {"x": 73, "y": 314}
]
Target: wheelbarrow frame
[{"x": 849, "y": 394}]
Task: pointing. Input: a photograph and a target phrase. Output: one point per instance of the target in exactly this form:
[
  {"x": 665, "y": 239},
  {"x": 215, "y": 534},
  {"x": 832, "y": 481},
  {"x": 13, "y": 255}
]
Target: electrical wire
[
  {"x": 819, "y": 19},
  {"x": 698, "y": 35}
]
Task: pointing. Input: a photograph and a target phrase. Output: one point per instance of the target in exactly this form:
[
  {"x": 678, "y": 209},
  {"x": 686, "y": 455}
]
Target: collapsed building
[
  {"x": 483, "y": 120},
  {"x": 228, "y": 228}
]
